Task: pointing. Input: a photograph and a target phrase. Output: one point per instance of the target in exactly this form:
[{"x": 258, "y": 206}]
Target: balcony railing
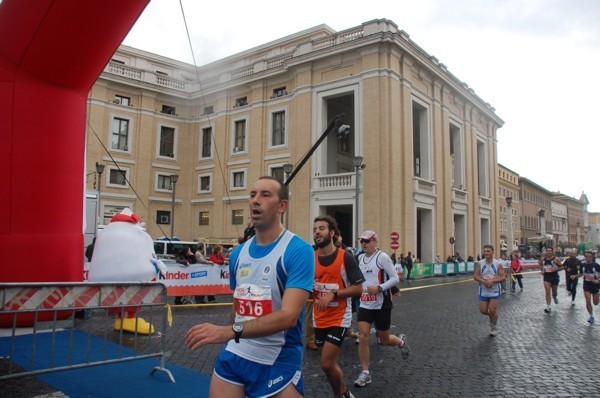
[
  {"x": 485, "y": 202},
  {"x": 459, "y": 196},
  {"x": 424, "y": 186},
  {"x": 229, "y": 72},
  {"x": 334, "y": 182}
]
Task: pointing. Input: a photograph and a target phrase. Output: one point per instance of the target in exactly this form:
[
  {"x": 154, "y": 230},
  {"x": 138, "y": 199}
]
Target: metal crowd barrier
[{"x": 51, "y": 306}]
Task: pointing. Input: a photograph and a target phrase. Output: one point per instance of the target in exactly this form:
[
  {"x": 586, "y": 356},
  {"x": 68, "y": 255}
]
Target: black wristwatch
[
  {"x": 335, "y": 292},
  {"x": 380, "y": 288},
  {"x": 238, "y": 328}
]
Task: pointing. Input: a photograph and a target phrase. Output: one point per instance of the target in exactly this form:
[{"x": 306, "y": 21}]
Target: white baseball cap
[{"x": 369, "y": 235}]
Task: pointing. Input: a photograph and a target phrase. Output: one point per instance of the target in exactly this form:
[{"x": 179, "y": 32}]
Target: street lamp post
[
  {"x": 174, "y": 179},
  {"x": 357, "y": 162},
  {"x": 99, "y": 171},
  {"x": 287, "y": 169},
  {"x": 509, "y": 231}
]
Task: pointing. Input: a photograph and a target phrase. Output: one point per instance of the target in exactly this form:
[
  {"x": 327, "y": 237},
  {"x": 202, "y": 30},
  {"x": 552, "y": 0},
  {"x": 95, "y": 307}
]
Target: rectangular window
[
  {"x": 208, "y": 110},
  {"x": 163, "y": 217},
  {"x": 456, "y": 153},
  {"x": 277, "y": 173},
  {"x": 121, "y": 100},
  {"x": 207, "y": 142},
  {"x": 120, "y": 134},
  {"x": 237, "y": 217},
  {"x": 167, "y": 142},
  {"x": 241, "y": 102},
  {"x": 279, "y": 92},
  {"x": 117, "y": 177},
  {"x": 169, "y": 110},
  {"x": 164, "y": 182},
  {"x": 203, "y": 218},
  {"x": 421, "y": 140},
  {"x": 278, "y": 134},
  {"x": 238, "y": 179},
  {"x": 239, "y": 139},
  {"x": 204, "y": 183}
]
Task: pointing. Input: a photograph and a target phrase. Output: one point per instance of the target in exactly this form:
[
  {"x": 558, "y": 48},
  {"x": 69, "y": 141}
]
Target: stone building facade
[
  {"x": 427, "y": 141},
  {"x": 509, "y": 208}
]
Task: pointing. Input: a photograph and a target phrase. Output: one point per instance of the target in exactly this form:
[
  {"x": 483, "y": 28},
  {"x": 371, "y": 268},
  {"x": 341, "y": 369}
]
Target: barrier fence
[
  {"x": 48, "y": 307},
  {"x": 427, "y": 270}
]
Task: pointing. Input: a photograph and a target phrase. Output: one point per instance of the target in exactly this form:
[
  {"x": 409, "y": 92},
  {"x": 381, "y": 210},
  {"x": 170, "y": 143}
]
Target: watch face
[{"x": 237, "y": 327}]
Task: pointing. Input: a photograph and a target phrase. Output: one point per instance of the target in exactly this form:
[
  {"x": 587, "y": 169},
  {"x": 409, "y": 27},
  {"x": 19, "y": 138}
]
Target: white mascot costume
[{"x": 124, "y": 252}]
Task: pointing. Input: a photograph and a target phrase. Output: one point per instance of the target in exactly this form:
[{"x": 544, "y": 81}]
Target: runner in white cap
[{"x": 376, "y": 303}]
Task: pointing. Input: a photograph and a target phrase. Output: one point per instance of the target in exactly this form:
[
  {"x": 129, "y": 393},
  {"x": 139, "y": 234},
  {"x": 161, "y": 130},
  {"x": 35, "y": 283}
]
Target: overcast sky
[{"x": 536, "y": 61}]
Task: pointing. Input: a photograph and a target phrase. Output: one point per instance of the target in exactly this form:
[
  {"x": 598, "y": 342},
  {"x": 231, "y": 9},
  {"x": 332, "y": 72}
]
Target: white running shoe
[
  {"x": 493, "y": 330},
  {"x": 362, "y": 380},
  {"x": 404, "y": 348}
]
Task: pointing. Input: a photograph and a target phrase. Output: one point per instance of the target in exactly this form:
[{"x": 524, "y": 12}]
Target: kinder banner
[
  {"x": 193, "y": 280},
  {"x": 196, "y": 279}
]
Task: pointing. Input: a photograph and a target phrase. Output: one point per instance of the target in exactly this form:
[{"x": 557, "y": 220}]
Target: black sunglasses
[{"x": 365, "y": 241}]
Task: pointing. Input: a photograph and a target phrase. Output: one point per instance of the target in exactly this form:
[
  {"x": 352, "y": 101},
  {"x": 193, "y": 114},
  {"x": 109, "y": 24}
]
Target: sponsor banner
[
  {"x": 471, "y": 266},
  {"x": 527, "y": 264},
  {"x": 194, "y": 280},
  {"x": 422, "y": 270}
]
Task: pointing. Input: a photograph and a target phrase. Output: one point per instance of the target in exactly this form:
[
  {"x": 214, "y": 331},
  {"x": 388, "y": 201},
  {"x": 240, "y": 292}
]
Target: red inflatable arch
[{"x": 51, "y": 53}]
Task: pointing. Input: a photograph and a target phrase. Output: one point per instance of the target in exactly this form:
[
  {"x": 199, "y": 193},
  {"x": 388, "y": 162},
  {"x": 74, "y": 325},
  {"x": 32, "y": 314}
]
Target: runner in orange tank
[{"x": 337, "y": 279}]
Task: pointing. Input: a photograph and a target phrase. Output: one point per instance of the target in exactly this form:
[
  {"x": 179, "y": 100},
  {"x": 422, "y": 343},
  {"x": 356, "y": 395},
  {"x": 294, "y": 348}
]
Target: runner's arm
[{"x": 292, "y": 303}]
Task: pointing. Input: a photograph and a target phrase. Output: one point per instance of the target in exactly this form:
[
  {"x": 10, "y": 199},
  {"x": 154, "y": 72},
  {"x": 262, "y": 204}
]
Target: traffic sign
[
  {"x": 394, "y": 236},
  {"x": 395, "y": 245}
]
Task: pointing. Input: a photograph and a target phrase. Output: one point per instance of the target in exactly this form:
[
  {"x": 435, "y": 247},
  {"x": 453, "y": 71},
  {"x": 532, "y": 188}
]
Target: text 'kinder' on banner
[{"x": 193, "y": 280}]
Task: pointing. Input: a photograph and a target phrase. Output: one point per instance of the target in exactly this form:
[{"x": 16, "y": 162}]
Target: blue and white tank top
[
  {"x": 258, "y": 282},
  {"x": 490, "y": 271}
]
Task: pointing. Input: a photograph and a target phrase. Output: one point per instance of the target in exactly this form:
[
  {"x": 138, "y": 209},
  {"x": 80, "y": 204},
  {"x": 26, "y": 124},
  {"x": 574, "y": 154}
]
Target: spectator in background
[
  {"x": 339, "y": 242},
  {"x": 248, "y": 232},
  {"x": 89, "y": 251},
  {"x": 515, "y": 266},
  {"x": 200, "y": 259},
  {"x": 184, "y": 257},
  {"x": 408, "y": 263},
  {"x": 217, "y": 256}
]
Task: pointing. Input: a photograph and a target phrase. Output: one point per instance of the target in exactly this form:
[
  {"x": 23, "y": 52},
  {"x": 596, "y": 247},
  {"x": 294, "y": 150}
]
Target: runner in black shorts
[
  {"x": 591, "y": 283},
  {"x": 549, "y": 266}
]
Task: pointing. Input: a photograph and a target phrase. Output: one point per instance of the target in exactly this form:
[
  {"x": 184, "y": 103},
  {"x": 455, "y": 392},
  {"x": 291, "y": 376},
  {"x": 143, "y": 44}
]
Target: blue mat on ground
[{"x": 131, "y": 378}]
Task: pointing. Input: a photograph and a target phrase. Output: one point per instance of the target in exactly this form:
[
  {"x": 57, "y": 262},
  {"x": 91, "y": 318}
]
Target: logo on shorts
[{"x": 275, "y": 381}]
